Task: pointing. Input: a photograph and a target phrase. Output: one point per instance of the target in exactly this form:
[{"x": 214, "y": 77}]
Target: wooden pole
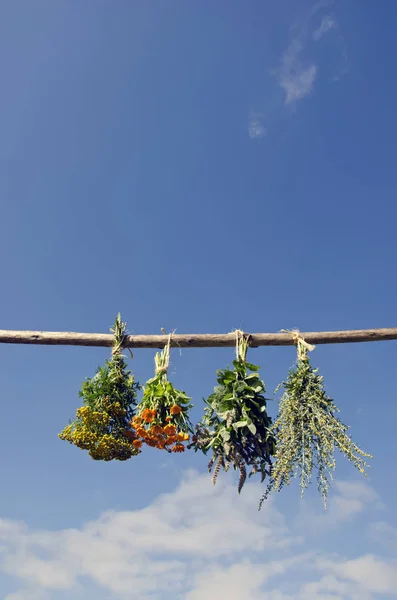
[{"x": 194, "y": 340}]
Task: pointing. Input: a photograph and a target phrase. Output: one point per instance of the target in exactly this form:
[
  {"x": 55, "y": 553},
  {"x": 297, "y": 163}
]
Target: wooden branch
[{"x": 202, "y": 340}]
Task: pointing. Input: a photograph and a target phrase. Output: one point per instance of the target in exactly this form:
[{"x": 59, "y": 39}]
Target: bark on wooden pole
[{"x": 194, "y": 340}]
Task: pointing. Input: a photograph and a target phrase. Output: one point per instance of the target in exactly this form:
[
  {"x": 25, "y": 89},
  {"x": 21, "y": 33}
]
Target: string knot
[
  {"x": 303, "y": 347},
  {"x": 241, "y": 344},
  {"x": 162, "y": 359}
]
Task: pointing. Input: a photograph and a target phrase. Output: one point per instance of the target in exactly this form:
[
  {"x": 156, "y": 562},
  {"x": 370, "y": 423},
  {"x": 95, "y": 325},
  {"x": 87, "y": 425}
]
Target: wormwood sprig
[
  {"x": 102, "y": 424},
  {"x": 236, "y": 426},
  {"x": 162, "y": 418},
  {"x": 308, "y": 431}
]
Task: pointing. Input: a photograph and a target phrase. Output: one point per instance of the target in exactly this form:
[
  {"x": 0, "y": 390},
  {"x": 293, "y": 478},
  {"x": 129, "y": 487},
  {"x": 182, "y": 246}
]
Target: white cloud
[
  {"x": 300, "y": 63},
  {"x": 327, "y": 23},
  {"x": 196, "y": 542},
  {"x": 384, "y": 533},
  {"x": 369, "y": 572},
  {"x": 256, "y": 129},
  {"x": 242, "y": 580},
  {"x": 349, "y": 499},
  {"x": 295, "y": 77},
  {"x": 28, "y": 595},
  {"x": 147, "y": 549}
]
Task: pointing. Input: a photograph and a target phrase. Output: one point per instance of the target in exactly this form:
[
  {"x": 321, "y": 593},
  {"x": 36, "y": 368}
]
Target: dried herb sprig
[
  {"x": 236, "y": 426},
  {"x": 102, "y": 424},
  {"x": 307, "y": 430},
  {"x": 162, "y": 418}
]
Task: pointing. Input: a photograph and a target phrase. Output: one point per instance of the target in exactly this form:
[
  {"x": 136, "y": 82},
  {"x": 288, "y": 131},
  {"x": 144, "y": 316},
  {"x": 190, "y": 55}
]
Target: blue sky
[{"x": 203, "y": 166}]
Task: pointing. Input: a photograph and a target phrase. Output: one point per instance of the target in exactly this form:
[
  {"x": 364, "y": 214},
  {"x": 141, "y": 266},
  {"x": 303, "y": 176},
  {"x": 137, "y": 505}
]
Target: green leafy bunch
[
  {"x": 236, "y": 426},
  {"x": 162, "y": 418},
  {"x": 308, "y": 431},
  {"x": 102, "y": 424}
]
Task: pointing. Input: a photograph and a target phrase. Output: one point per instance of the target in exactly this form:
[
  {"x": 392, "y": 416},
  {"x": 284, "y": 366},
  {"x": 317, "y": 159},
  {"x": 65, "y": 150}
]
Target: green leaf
[
  {"x": 239, "y": 424},
  {"x": 252, "y": 367},
  {"x": 251, "y": 378},
  {"x": 251, "y": 427},
  {"x": 225, "y": 434}
]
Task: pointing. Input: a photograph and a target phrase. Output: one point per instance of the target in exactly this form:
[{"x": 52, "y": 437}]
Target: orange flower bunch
[
  {"x": 162, "y": 418},
  {"x": 156, "y": 434}
]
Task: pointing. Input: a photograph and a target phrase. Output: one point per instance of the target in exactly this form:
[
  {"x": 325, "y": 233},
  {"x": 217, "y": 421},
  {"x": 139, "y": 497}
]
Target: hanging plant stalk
[
  {"x": 102, "y": 424},
  {"x": 162, "y": 418},
  {"x": 308, "y": 431},
  {"x": 236, "y": 426}
]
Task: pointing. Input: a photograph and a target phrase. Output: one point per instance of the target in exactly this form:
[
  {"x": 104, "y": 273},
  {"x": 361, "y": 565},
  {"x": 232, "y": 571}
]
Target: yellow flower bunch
[
  {"x": 103, "y": 425},
  {"x": 90, "y": 431}
]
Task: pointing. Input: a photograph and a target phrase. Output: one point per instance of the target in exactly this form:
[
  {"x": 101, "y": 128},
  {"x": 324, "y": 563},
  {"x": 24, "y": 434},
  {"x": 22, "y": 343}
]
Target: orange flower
[
  {"x": 141, "y": 431},
  {"x": 136, "y": 420},
  {"x": 156, "y": 430},
  {"x": 170, "y": 429},
  {"x": 137, "y": 443},
  {"x": 148, "y": 415},
  {"x": 131, "y": 435},
  {"x": 150, "y": 442},
  {"x": 171, "y": 440},
  {"x": 178, "y": 448},
  {"x": 175, "y": 409},
  {"x": 183, "y": 437}
]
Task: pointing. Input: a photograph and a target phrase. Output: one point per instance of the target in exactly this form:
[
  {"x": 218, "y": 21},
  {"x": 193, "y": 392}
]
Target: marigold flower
[
  {"x": 175, "y": 409},
  {"x": 141, "y": 431},
  {"x": 156, "y": 430},
  {"x": 148, "y": 415},
  {"x": 170, "y": 429},
  {"x": 137, "y": 443},
  {"x": 171, "y": 440},
  {"x": 150, "y": 442},
  {"x": 168, "y": 419},
  {"x": 178, "y": 448},
  {"x": 183, "y": 437}
]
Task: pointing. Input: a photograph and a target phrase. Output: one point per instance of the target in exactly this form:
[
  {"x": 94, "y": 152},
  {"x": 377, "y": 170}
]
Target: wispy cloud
[
  {"x": 327, "y": 23},
  {"x": 349, "y": 501},
  {"x": 295, "y": 77},
  {"x": 256, "y": 129},
  {"x": 384, "y": 534},
  {"x": 255, "y": 126},
  {"x": 303, "y": 65},
  {"x": 300, "y": 64}
]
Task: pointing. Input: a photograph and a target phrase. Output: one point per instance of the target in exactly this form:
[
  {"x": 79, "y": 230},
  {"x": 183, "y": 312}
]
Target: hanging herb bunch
[
  {"x": 162, "y": 418},
  {"x": 308, "y": 431},
  {"x": 236, "y": 426},
  {"x": 102, "y": 424}
]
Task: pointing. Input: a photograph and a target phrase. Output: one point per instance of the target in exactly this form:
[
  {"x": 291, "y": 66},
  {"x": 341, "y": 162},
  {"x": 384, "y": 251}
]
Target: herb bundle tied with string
[
  {"x": 102, "y": 424},
  {"x": 308, "y": 431},
  {"x": 236, "y": 426},
  {"x": 162, "y": 417}
]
